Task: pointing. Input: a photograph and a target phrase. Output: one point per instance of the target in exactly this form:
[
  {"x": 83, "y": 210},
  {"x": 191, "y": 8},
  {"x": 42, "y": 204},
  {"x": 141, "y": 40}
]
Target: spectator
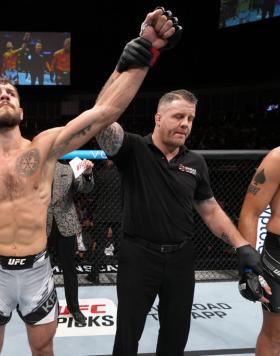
[{"x": 63, "y": 226}]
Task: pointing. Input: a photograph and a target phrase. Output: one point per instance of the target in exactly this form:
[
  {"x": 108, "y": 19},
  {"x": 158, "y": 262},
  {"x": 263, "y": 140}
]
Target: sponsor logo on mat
[{"x": 101, "y": 318}]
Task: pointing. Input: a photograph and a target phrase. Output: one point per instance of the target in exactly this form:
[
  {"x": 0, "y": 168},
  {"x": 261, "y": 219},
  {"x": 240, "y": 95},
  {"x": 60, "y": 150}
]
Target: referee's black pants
[{"x": 142, "y": 275}]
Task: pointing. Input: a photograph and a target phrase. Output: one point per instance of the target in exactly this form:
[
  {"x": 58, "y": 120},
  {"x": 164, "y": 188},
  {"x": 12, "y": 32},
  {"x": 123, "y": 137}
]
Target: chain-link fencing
[{"x": 100, "y": 215}]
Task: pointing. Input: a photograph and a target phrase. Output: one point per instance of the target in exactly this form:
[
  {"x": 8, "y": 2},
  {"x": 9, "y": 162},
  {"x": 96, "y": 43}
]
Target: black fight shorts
[{"x": 271, "y": 266}]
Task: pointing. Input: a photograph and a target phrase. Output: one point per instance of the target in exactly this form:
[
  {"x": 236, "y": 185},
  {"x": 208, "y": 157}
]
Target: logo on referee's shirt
[{"x": 187, "y": 169}]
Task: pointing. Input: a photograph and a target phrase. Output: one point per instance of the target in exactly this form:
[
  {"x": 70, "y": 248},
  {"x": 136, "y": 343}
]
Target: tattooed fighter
[
  {"x": 26, "y": 174},
  {"x": 263, "y": 191}
]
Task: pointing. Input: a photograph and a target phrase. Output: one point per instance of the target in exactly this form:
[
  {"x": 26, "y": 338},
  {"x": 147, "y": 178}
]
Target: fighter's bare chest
[{"x": 18, "y": 174}]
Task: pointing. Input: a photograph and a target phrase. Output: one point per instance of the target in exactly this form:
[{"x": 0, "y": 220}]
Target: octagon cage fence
[{"x": 100, "y": 215}]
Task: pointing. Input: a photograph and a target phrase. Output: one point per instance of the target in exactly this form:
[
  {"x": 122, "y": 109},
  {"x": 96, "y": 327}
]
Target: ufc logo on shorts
[{"x": 16, "y": 261}]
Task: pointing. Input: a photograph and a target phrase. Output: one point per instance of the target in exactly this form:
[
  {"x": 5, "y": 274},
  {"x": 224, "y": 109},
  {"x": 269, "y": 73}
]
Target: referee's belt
[{"x": 162, "y": 248}]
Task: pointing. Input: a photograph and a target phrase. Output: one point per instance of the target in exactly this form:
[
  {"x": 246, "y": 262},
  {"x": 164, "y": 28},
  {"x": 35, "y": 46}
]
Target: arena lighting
[{"x": 272, "y": 107}]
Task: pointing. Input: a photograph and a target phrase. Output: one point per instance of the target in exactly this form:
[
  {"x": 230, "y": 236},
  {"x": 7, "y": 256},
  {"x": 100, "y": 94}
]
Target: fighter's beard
[{"x": 9, "y": 121}]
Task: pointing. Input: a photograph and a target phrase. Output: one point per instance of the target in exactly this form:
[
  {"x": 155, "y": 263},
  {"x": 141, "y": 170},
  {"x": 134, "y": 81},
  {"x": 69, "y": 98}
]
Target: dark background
[
  {"x": 207, "y": 56},
  {"x": 234, "y": 72}
]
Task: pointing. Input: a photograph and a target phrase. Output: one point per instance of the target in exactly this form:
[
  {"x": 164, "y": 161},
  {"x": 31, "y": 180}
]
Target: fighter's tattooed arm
[
  {"x": 259, "y": 179},
  {"x": 63, "y": 145},
  {"x": 110, "y": 139}
]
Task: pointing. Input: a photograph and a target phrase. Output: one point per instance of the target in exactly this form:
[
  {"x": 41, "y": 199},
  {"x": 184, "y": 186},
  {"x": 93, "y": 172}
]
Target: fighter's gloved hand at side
[
  {"x": 249, "y": 286},
  {"x": 248, "y": 257},
  {"x": 160, "y": 31}
]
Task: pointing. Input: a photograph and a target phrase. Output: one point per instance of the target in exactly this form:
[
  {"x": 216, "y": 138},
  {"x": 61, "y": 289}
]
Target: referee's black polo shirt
[{"x": 158, "y": 195}]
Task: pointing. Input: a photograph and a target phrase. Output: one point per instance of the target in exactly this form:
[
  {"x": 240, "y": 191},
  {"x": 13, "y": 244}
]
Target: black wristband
[{"x": 136, "y": 54}]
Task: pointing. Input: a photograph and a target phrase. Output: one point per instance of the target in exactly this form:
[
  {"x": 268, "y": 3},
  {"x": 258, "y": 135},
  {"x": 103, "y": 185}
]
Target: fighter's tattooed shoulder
[{"x": 258, "y": 180}]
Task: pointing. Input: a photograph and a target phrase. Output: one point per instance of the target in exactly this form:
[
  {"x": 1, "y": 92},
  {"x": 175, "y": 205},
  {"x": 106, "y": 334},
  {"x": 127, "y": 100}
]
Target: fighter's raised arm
[
  {"x": 111, "y": 136},
  {"x": 137, "y": 57}
]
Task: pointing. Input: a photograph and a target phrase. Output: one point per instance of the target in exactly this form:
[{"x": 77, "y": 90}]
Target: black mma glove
[
  {"x": 248, "y": 257},
  {"x": 137, "y": 53},
  {"x": 140, "y": 53},
  {"x": 175, "y": 38},
  {"x": 249, "y": 286}
]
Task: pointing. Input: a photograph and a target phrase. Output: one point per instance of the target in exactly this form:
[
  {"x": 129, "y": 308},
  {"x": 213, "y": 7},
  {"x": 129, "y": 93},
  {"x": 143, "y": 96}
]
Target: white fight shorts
[{"x": 27, "y": 284}]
